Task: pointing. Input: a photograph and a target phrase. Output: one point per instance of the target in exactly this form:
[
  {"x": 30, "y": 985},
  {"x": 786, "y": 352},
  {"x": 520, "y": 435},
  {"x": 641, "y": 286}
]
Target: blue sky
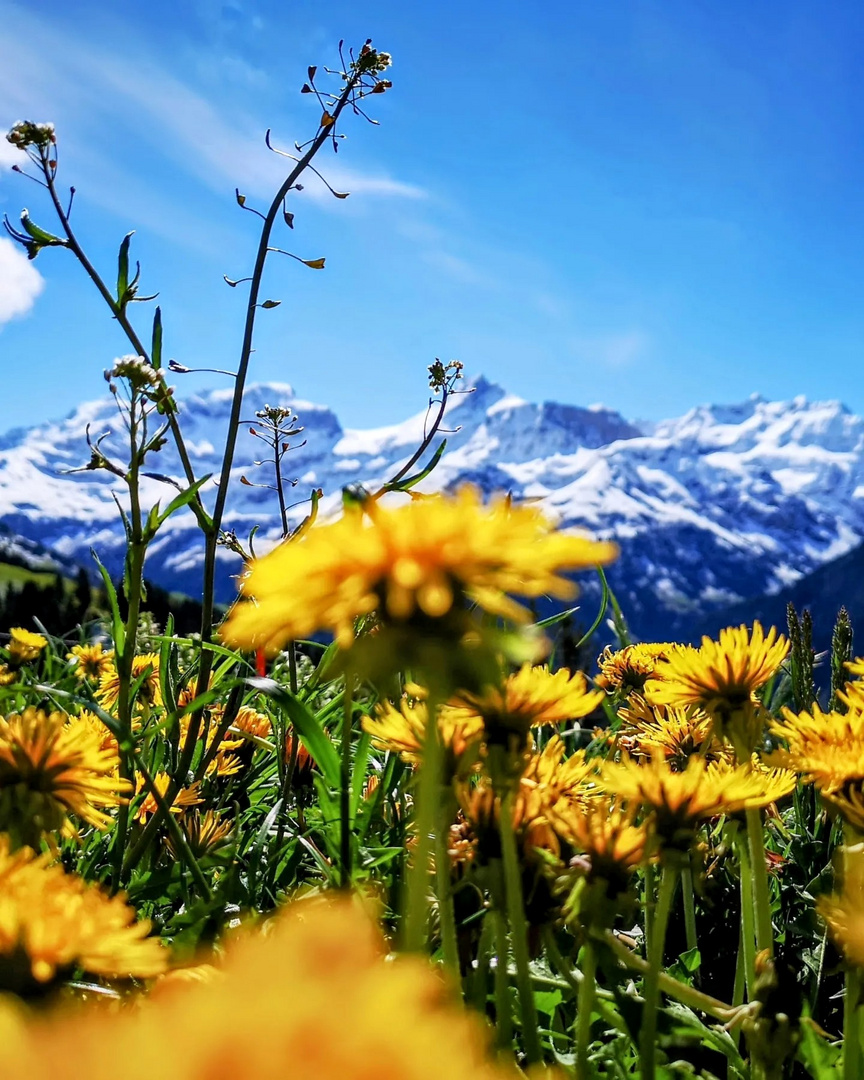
[{"x": 649, "y": 204}]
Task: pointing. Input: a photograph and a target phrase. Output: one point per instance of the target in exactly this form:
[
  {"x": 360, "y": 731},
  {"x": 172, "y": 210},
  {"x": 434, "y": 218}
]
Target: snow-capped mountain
[{"x": 725, "y": 503}]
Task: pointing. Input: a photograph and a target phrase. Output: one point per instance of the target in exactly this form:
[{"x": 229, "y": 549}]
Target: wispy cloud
[
  {"x": 614, "y": 350},
  {"x": 97, "y": 92},
  {"x": 459, "y": 269},
  {"x": 20, "y": 282}
]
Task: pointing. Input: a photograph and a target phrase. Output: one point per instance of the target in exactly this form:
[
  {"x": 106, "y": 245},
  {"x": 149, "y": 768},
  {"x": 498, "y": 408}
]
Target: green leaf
[
  {"x": 118, "y": 630},
  {"x": 821, "y": 1057},
  {"x": 123, "y": 268},
  {"x": 312, "y": 735},
  {"x": 411, "y": 481},
  {"x": 181, "y": 500},
  {"x": 42, "y": 238},
  {"x": 156, "y": 347},
  {"x": 692, "y": 960}
]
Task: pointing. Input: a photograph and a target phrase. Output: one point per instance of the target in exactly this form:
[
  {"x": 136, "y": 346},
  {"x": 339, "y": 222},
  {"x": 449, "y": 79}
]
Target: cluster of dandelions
[{"x": 545, "y": 815}]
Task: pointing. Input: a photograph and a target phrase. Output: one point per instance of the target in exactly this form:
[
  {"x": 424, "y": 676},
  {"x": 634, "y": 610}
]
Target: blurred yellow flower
[
  {"x": 844, "y": 912},
  {"x": 402, "y": 730},
  {"x": 414, "y": 562},
  {"x": 312, "y": 999},
  {"x": 528, "y": 698},
  {"x": 50, "y": 767},
  {"x": 52, "y": 923},
  {"x": 606, "y": 835},
  {"x": 206, "y": 833},
  {"x": 149, "y": 693},
  {"x": 24, "y": 645}
]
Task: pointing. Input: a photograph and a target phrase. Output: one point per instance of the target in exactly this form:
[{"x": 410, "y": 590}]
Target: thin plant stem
[
  {"x": 748, "y": 929},
  {"x": 852, "y": 1058},
  {"x": 503, "y": 1020},
  {"x": 761, "y": 891},
  {"x": 689, "y": 911},
  {"x": 518, "y": 932},
  {"x": 476, "y": 989},
  {"x": 345, "y": 783},
  {"x": 687, "y": 995},
  {"x": 426, "y": 815},
  {"x": 648, "y": 886},
  {"x": 651, "y": 988},
  {"x": 446, "y": 915},
  {"x": 584, "y": 1008}
]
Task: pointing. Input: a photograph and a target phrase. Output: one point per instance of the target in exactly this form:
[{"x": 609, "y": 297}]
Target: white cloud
[
  {"x": 20, "y": 282},
  {"x": 10, "y": 155},
  {"x": 615, "y": 350}
]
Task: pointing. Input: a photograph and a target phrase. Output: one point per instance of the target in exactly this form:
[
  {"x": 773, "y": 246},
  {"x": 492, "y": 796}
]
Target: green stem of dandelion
[
  {"x": 584, "y": 1008},
  {"x": 503, "y": 1020},
  {"x": 748, "y": 929},
  {"x": 518, "y": 932},
  {"x": 446, "y": 916},
  {"x": 476, "y": 989},
  {"x": 345, "y": 782},
  {"x": 651, "y": 987},
  {"x": 689, "y": 910},
  {"x": 648, "y": 886},
  {"x": 761, "y": 892},
  {"x": 426, "y": 815},
  {"x": 852, "y": 1013},
  {"x": 852, "y": 1063},
  {"x": 687, "y": 995}
]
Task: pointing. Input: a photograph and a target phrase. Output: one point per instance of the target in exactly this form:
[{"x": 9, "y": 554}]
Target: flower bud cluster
[{"x": 25, "y": 133}]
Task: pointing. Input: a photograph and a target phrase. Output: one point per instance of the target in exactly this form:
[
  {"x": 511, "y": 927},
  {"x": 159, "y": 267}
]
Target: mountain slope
[{"x": 724, "y": 503}]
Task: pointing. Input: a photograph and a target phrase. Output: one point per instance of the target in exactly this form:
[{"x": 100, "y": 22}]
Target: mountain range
[{"x": 722, "y": 505}]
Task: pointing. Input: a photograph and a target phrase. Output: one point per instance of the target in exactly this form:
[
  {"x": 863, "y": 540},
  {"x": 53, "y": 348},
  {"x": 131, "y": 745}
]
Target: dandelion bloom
[
  {"x": 722, "y": 677},
  {"x": 52, "y": 923},
  {"x": 827, "y": 749},
  {"x": 313, "y": 999},
  {"x": 415, "y": 562},
  {"x": 51, "y": 767},
  {"x": 184, "y": 798},
  {"x": 252, "y": 723},
  {"x": 679, "y": 802},
  {"x": 25, "y": 645},
  {"x": 674, "y": 733},
  {"x": 206, "y": 833},
  {"x": 607, "y": 836},
  {"x": 402, "y": 729},
  {"x": 90, "y": 661},
  {"x": 844, "y": 912},
  {"x": 149, "y": 692},
  {"x": 531, "y": 697},
  {"x": 626, "y": 670}
]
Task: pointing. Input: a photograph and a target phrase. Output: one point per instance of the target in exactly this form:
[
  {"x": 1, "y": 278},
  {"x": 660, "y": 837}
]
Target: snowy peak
[{"x": 723, "y": 503}]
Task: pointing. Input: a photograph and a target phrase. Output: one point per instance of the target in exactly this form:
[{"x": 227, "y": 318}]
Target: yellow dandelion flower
[
  {"x": 530, "y": 697},
  {"x": 419, "y": 560},
  {"x": 51, "y": 768},
  {"x": 626, "y": 670},
  {"x": 827, "y": 749},
  {"x": 207, "y": 834},
  {"x": 52, "y": 923},
  {"x": 7, "y": 677},
  {"x": 252, "y": 722},
  {"x": 679, "y": 802},
  {"x": 843, "y": 912},
  {"x": 90, "y": 661},
  {"x": 225, "y": 764},
  {"x": 150, "y": 691},
  {"x": 395, "y": 1020},
  {"x": 107, "y": 740},
  {"x": 481, "y": 808},
  {"x": 551, "y": 778},
  {"x": 25, "y": 645},
  {"x": 402, "y": 730},
  {"x": 674, "y": 733},
  {"x": 721, "y": 677},
  {"x": 184, "y": 798},
  {"x": 613, "y": 844}
]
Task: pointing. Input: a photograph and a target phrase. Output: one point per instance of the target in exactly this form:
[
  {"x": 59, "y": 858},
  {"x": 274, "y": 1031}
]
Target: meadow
[{"x": 368, "y": 824}]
